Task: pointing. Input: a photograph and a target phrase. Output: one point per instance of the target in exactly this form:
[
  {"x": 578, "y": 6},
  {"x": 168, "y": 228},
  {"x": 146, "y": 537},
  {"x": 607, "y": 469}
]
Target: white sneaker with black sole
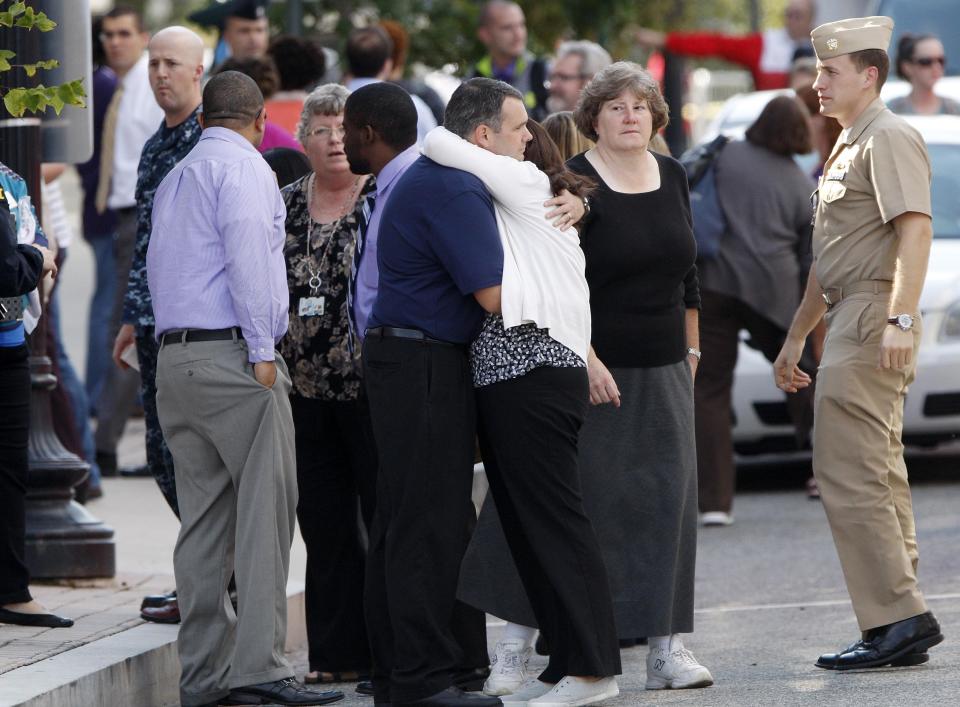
[
  {"x": 572, "y": 692},
  {"x": 508, "y": 668},
  {"x": 530, "y": 690},
  {"x": 675, "y": 670}
]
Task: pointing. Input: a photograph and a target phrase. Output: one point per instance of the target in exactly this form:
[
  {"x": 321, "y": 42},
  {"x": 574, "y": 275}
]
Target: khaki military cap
[{"x": 851, "y": 35}]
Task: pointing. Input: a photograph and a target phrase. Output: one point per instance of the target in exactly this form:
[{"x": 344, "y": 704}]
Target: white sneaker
[
  {"x": 508, "y": 669},
  {"x": 675, "y": 670},
  {"x": 571, "y": 692},
  {"x": 530, "y": 690},
  {"x": 715, "y": 518}
]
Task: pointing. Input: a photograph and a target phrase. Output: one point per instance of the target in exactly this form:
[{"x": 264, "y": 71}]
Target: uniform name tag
[
  {"x": 836, "y": 176},
  {"x": 311, "y": 306}
]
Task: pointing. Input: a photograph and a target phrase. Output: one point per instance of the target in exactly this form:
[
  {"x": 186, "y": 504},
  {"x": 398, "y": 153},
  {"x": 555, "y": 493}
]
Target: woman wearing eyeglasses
[
  {"x": 336, "y": 456},
  {"x": 921, "y": 61}
]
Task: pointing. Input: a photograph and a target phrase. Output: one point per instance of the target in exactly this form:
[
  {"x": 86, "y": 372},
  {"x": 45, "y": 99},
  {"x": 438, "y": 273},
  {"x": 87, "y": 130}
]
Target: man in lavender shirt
[{"x": 218, "y": 282}]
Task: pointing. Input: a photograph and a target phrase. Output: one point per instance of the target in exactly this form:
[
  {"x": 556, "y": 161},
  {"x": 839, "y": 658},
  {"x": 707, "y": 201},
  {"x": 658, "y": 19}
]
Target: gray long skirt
[{"x": 638, "y": 470}]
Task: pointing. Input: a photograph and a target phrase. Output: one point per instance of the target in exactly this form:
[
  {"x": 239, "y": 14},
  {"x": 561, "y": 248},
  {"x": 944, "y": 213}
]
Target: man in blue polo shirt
[{"x": 440, "y": 264}]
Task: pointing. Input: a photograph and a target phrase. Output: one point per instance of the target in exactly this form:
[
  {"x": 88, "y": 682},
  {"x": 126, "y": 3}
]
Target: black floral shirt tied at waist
[
  {"x": 160, "y": 154},
  {"x": 317, "y": 344}
]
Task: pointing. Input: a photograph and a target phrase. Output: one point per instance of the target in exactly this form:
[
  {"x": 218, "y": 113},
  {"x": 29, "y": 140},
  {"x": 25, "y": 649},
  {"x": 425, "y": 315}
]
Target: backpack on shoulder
[{"x": 709, "y": 221}]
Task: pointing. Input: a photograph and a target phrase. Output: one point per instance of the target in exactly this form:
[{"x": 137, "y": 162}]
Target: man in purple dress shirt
[{"x": 218, "y": 282}]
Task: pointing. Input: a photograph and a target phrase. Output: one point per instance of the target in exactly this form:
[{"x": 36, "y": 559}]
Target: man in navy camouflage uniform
[{"x": 175, "y": 68}]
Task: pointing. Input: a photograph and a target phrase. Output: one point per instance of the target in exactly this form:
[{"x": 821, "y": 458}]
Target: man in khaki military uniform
[{"x": 871, "y": 242}]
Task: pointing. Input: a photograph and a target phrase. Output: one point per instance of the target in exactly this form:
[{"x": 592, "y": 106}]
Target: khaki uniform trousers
[
  {"x": 232, "y": 442},
  {"x": 858, "y": 463}
]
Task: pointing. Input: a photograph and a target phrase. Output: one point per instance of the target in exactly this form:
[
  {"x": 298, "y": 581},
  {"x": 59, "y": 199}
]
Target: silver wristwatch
[
  {"x": 694, "y": 352},
  {"x": 904, "y": 322}
]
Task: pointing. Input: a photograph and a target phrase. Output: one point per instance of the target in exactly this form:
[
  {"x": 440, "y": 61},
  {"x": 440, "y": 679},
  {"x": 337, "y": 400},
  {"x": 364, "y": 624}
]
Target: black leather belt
[
  {"x": 390, "y": 332},
  {"x": 186, "y": 336}
]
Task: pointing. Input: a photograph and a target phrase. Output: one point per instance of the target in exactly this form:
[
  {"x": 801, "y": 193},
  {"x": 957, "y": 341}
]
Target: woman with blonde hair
[
  {"x": 336, "y": 453},
  {"x": 566, "y": 135}
]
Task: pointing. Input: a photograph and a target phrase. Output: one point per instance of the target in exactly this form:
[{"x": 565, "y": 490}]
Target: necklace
[{"x": 315, "y": 281}]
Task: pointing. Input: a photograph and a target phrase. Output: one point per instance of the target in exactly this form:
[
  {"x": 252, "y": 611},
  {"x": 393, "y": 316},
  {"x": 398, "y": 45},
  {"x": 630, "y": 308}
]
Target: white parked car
[{"x": 932, "y": 411}]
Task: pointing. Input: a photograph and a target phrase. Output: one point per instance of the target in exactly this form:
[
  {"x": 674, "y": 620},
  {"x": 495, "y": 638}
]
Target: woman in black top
[{"x": 637, "y": 449}]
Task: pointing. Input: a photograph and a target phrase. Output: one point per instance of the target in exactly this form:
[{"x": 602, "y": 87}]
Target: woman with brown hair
[
  {"x": 754, "y": 283},
  {"x": 921, "y": 60},
  {"x": 637, "y": 445},
  {"x": 529, "y": 371}
]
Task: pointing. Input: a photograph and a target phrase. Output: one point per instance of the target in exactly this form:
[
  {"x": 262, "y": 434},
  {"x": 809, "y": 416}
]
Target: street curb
[{"x": 138, "y": 666}]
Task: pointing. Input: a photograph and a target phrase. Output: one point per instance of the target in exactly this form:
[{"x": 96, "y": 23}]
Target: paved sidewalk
[{"x": 99, "y": 608}]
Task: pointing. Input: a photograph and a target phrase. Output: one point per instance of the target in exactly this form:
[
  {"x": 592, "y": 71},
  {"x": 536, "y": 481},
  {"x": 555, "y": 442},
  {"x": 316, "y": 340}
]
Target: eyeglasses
[
  {"x": 326, "y": 133},
  {"x": 554, "y": 78},
  {"x": 119, "y": 34},
  {"x": 928, "y": 61}
]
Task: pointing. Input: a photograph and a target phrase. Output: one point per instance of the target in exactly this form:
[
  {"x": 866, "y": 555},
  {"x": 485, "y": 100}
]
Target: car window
[
  {"x": 939, "y": 17},
  {"x": 945, "y": 162}
]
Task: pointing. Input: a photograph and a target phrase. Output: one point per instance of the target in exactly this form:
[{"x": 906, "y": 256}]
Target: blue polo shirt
[{"x": 438, "y": 244}]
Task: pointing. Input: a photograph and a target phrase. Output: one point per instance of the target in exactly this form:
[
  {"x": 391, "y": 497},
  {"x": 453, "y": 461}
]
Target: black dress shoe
[
  {"x": 288, "y": 691},
  {"x": 19, "y": 618},
  {"x": 901, "y": 643},
  {"x": 455, "y": 697},
  {"x": 166, "y": 613},
  {"x": 157, "y": 599},
  {"x": 471, "y": 679},
  {"x": 365, "y": 687},
  {"x": 133, "y": 472}
]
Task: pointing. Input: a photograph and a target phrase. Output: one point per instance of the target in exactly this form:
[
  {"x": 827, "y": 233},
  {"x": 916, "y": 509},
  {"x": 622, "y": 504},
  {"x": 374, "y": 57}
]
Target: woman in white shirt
[{"x": 529, "y": 371}]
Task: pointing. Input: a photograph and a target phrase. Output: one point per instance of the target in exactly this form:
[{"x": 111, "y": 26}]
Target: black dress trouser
[
  {"x": 423, "y": 414},
  {"x": 529, "y": 428},
  {"x": 14, "y": 434},
  {"x": 336, "y": 475}
]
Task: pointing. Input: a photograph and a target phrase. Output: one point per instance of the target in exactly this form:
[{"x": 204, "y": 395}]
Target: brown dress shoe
[{"x": 166, "y": 613}]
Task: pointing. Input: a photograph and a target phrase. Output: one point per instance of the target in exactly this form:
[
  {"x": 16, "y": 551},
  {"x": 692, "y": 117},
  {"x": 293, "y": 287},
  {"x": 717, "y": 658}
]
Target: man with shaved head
[
  {"x": 218, "y": 281},
  {"x": 175, "y": 67}
]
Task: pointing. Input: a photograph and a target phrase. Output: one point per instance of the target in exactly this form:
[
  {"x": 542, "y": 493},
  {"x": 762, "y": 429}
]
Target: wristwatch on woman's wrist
[{"x": 694, "y": 352}]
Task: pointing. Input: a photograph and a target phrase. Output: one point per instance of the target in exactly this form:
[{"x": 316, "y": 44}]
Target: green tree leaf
[
  {"x": 5, "y": 56},
  {"x": 15, "y": 102},
  {"x": 44, "y": 23}
]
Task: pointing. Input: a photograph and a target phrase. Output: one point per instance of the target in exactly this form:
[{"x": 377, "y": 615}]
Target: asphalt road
[{"x": 771, "y": 598}]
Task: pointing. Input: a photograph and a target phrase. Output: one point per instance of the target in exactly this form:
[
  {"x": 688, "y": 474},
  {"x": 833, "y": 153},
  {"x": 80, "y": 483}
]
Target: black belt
[
  {"x": 126, "y": 210},
  {"x": 186, "y": 336},
  {"x": 390, "y": 332}
]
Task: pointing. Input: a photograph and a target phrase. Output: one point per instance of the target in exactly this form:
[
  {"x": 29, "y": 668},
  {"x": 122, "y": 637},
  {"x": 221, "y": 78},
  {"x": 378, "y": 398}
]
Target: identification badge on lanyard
[{"x": 311, "y": 306}]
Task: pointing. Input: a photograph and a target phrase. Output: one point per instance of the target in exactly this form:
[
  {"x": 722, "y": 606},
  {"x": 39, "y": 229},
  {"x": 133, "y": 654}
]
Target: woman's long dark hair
[{"x": 544, "y": 153}]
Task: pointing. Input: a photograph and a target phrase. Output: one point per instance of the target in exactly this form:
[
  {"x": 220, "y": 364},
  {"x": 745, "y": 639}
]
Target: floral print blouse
[{"x": 317, "y": 347}]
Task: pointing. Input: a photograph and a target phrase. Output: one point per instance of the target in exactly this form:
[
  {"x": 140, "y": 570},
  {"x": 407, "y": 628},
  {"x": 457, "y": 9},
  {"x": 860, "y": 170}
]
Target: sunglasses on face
[{"x": 931, "y": 60}]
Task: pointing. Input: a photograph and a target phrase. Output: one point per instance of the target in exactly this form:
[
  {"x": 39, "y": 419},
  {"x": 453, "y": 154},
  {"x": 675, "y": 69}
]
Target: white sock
[
  {"x": 523, "y": 634},
  {"x": 659, "y": 643},
  {"x": 669, "y": 643}
]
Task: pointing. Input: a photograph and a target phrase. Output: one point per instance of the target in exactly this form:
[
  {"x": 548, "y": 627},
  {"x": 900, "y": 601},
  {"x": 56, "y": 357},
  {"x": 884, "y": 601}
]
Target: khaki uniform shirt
[{"x": 878, "y": 170}]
